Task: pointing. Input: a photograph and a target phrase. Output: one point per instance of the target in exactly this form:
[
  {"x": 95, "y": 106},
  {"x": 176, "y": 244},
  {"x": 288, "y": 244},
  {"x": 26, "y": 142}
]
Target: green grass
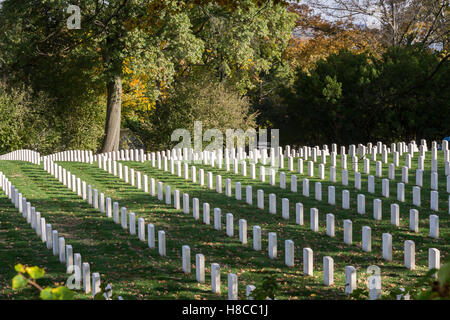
[{"x": 139, "y": 272}]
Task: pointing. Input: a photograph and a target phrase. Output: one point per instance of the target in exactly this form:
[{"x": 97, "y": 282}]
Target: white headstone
[
  {"x": 416, "y": 196},
  {"x": 151, "y": 235},
  {"x": 345, "y": 199},
  {"x": 350, "y": 279},
  {"x": 86, "y": 278},
  {"x": 229, "y": 224},
  {"x": 215, "y": 278},
  {"x": 328, "y": 271},
  {"x": 256, "y": 238},
  {"x": 414, "y": 220},
  {"x": 387, "y": 246},
  {"x": 361, "y": 204},
  {"x": 395, "y": 214},
  {"x": 330, "y": 225},
  {"x": 434, "y": 201},
  {"x": 307, "y": 261},
  {"x": 434, "y": 259},
  {"x": 272, "y": 247},
  {"x": 377, "y": 209},
  {"x": 186, "y": 259},
  {"x": 348, "y": 232},
  {"x": 289, "y": 253},
  {"x": 434, "y": 226},
  {"x": 366, "y": 239},
  {"x": 314, "y": 219},
  {"x": 243, "y": 231},
  {"x": 410, "y": 255},
  {"x": 285, "y": 208},
  {"x": 200, "y": 267},
  {"x": 162, "y": 242}
]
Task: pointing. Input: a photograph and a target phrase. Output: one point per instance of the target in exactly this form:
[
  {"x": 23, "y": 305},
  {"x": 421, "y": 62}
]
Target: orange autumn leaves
[
  {"x": 316, "y": 38},
  {"x": 134, "y": 93}
]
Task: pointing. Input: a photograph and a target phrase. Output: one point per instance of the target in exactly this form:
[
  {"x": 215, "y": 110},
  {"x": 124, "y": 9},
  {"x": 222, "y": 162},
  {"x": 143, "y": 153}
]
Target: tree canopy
[{"x": 132, "y": 63}]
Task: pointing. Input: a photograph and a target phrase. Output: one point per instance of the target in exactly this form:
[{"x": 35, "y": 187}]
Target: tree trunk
[{"x": 114, "y": 105}]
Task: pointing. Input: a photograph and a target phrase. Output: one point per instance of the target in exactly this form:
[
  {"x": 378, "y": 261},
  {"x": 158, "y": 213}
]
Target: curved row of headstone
[
  {"x": 434, "y": 220},
  {"x": 58, "y": 245},
  {"x": 208, "y": 157},
  {"x": 117, "y": 169},
  {"x": 86, "y": 156},
  {"x": 434, "y": 195},
  {"x": 73, "y": 261},
  {"x": 23, "y": 155},
  {"x": 134, "y": 178},
  {"x": 128, "y": 221},
  {"x": 366, "y": 231},
  {"x": 104, "y": 204},
  {"x": 142, "y": 158},
  {"x": 138, "y": 155},
  {"x": 276, "y": 154}
]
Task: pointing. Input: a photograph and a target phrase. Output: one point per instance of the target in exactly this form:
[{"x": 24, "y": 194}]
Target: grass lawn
[{"x": 137, "y": 272}]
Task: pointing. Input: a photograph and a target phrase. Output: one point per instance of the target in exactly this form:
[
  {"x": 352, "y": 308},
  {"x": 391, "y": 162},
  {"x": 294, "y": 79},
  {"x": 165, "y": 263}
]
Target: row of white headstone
[
  {"x": 53, "y": 241},
  {"x": 333, "y": 177},
  {"x": 434, "y": 195},
  {"x": 434, "y": 220},
  {"x": 419, "y": 173},
  {"x": 164, "y": 193},
  {"x": 310, "y": 164},
  {"x": 215, "y": 274},
  {"x": 23, "y": 155},
  {"x": 104, "y": 204},
  {"x": 328, "y": 267},
  {"x": 277, "y": 158},
  {"x": 434, "y": 223},
  {"x": 239, "y": 153},
  {"x": 272, "y": 242},
  {"x": 306, "y": 152},
  {"x": 92, "y": 198},
  {"x": 86, "y": 156},
  {"x": 416, "y": 193}
]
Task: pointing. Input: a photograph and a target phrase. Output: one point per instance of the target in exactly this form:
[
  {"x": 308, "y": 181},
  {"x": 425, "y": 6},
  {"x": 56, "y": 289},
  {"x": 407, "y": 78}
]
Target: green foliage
[
  {"x": 46, "y": 294},
  {"x": 400, "y": 97},
  {"x": 60, "y": 293},
  {"x": 217, "y": 51},
  {"x": 267, "y": 289},
  {"x": 435, "y": 285},
  {"x": 333, "y": 89},
  {"x": 216, "y": 104},
  {"x": 160, "y": 42},
  {"x": 21, "y": 281},
  {"x": 360, "y": 294},
  {"x": 244, "y": 45},
  {"x": 31, "y": 120},
  {"x": 35, "y": 272},
  {"x": 22, "y": 120}
]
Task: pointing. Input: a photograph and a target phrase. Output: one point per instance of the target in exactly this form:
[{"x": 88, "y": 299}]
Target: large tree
[{"x": 135, "y": 33}]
